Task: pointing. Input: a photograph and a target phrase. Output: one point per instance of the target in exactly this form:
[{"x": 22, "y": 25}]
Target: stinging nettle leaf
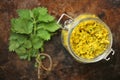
[
  {"x": 51, "y": 27},
  {"x": 20, "y": 51},
  {"x": 38, "y": 45},
  {"x": 23, "y": 56},
  {"x": 39, "y": 11},
  {"x": 34, "y": 52},
  {"x": 22, "y": 26},
  {"x": 43, "y": 34},
  {"x": 21, "y": 40},
  {"x": 35, "y": 12},
  {"x": 24, "y": 13},
  {"x": 15, "y": 36},
  {"x": 42, "y": 10},
  {"x": 37, "y": 42},
  {"x": 27, "y": 44},
  {"x": 13, "y": 45},
  {"x": 45, "y": 18},
  {"x": 16, "y": 40}
]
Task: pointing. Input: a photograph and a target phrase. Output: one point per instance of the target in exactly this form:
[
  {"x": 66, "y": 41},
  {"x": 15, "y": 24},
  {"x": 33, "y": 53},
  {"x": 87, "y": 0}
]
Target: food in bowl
[{"x": 89, "y": 39}]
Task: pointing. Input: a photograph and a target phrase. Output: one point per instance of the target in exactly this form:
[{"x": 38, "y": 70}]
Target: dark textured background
[{"x": 64, "y": 66}]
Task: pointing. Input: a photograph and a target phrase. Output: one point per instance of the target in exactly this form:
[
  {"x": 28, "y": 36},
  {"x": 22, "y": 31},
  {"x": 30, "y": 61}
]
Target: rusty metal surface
[{"x": 64, "y": 66}]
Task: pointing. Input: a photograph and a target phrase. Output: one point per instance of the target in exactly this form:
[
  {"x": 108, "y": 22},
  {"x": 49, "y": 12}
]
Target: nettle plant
[{"x": 30, "y": 31}]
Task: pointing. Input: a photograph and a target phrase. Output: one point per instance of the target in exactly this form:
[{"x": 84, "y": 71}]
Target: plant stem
[
  {"x": 34, "y": 26},
  {"x": 40, "y": 64}
]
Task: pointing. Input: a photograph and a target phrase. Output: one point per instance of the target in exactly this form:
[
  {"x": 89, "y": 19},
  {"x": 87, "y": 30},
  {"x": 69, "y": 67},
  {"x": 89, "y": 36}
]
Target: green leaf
[
  {"x": 16, "y": 39},
  {"x": 24, "y": 13},
  {"x": 39, "y": 11},
  {"x": 38, "y": 45},
  {"x": 13, "y": 45},
  {"x": 27, "y": 44},
  {"x": 51, "y": 27},
  {"x": 31, "y": 15},
  {"x": 20, "y": 51},
  {"x": 15, "y": 36},
  {"x": 41, "y": 15},
  {"x": 37, "y": 42},
  {"x": 42, "y": 10},
  {"x": 43, "y": 34},
  {"x": 34, "y": 52},
  {"x": 45, "y": 18},
  {"x": 13, "y": 21},
  {"x": 22, "y": 26},
  {"x": 23, "y": 56},
  {"x": 21, "y": 40},
  {"x": 35, "y": 12}
]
